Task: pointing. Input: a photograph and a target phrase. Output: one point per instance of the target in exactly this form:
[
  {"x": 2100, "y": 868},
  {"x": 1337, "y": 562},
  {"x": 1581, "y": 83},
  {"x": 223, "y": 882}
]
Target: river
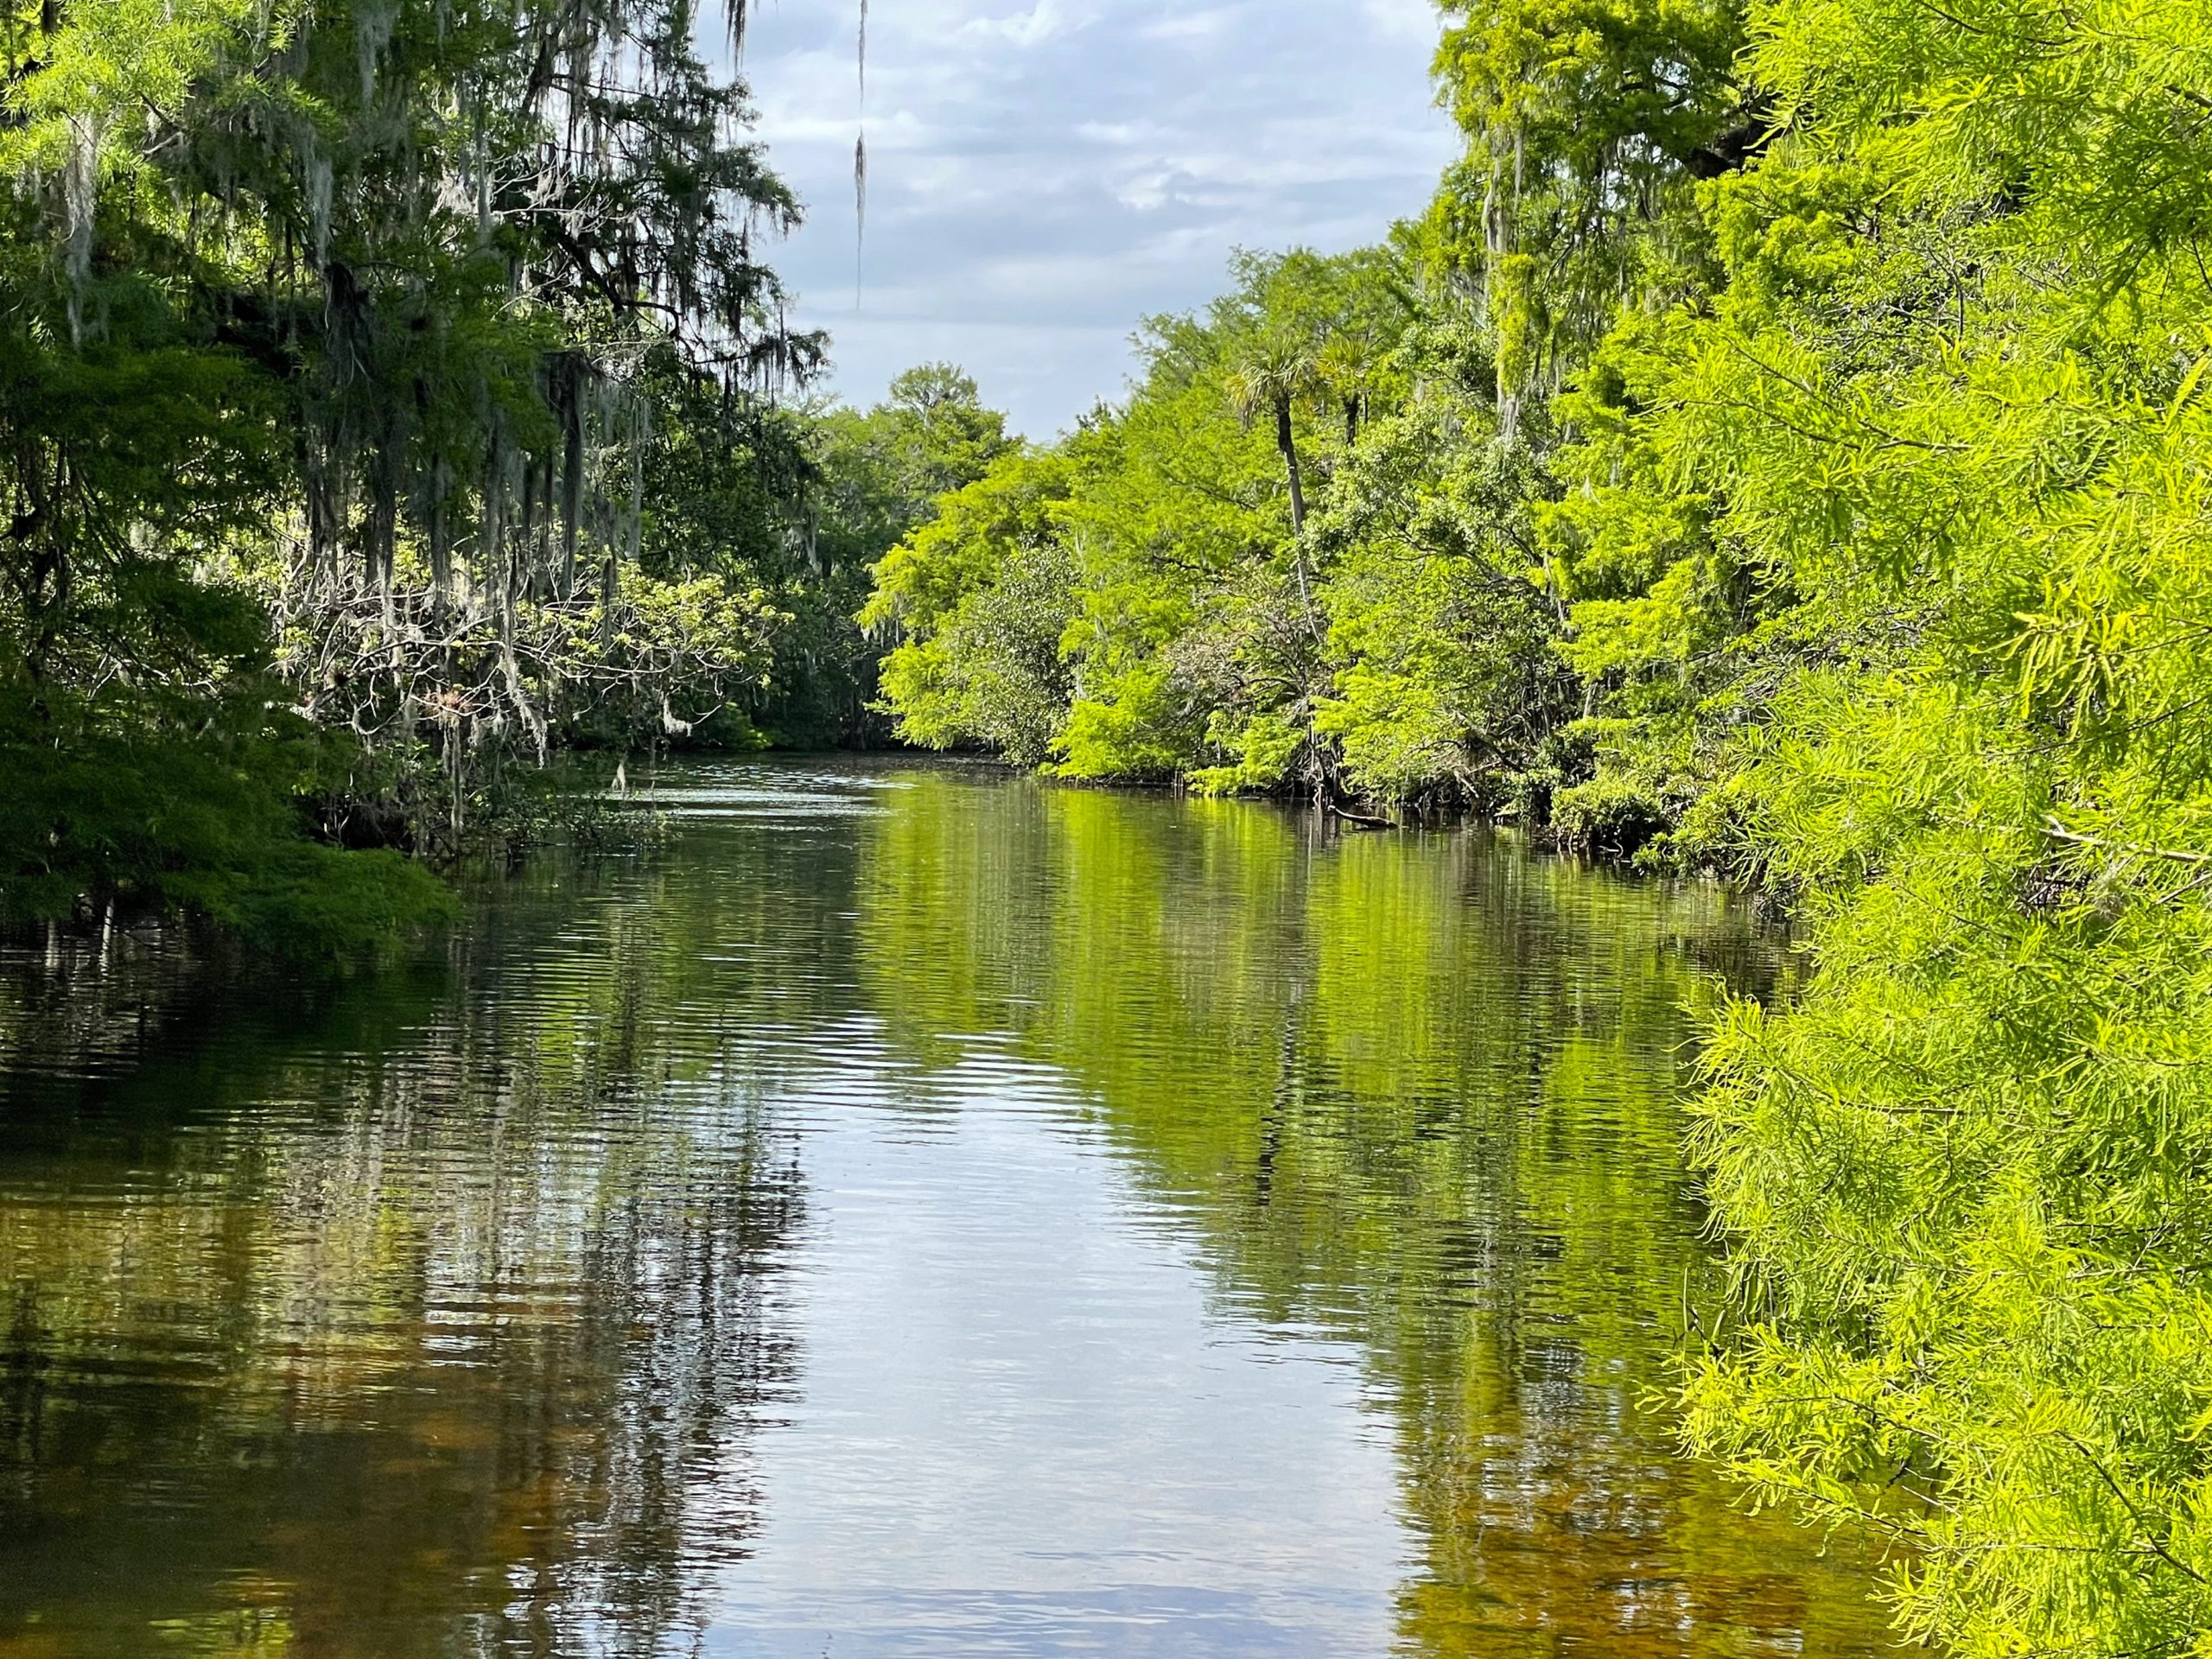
[{"x": 916, "y": 1211}]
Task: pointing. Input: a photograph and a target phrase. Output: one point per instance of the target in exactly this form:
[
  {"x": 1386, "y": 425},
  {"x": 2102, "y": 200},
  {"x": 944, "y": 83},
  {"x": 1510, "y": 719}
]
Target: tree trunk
[{"x": 1288, "y": 444}]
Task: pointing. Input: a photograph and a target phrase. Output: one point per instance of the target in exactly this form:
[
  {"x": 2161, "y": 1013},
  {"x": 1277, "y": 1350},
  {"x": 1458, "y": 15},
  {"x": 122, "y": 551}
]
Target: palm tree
[
  {"x": 1347, "y": 368},
  {"x": 1276, "y": 369}
]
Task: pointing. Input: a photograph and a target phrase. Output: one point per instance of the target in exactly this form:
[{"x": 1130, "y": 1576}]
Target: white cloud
[
  {"x": 1191, "y": 25},
  {"x": 1404, "y": 20},
  {"x": 1043, "y": 175},
  {"x": 1045, "y": 20}
]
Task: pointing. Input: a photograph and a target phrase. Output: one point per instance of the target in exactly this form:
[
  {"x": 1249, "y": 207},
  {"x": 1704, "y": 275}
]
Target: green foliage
[
  {"x": 872, "y": 476},
  {"x": 1588, "y": 121},
  {"x": 1608, "y": 814},
  {"x": 981, "y": 596},
  {"x": 150, "y": 804},
  {"x": 1446, "y": 685}
]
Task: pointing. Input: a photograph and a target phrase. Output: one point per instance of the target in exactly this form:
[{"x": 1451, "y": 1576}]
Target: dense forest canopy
[{"x": 1781, "y": 448}]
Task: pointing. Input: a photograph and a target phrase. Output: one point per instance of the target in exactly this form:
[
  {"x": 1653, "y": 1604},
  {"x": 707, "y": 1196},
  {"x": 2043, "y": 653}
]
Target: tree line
[{"x": 1781, "y": 448}]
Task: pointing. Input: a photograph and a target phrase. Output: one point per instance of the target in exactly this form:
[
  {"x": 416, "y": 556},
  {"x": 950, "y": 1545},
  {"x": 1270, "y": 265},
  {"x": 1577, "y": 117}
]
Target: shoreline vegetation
[{"x": 1781, "y": 448}]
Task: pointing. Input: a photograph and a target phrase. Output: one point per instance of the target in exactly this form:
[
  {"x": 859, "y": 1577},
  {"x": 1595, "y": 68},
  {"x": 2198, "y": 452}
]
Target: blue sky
[{"x": 1044, "y": 172}]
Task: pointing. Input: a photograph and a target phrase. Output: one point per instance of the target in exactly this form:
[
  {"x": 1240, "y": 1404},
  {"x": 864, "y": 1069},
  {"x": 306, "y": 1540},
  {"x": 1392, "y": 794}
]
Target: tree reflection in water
[
  {"x": 1422, "y": 1091},
  {"x": 427, "y": 1317}
]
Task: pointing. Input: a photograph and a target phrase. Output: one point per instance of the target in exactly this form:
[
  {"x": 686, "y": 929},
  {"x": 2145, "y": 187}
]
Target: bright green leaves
[
  {"x": 1961, "y": 1176},
  {"x": 150, "y": 801},
  {"x": 92, "y": 88},
  {"x": 975, "y": 531},
  {"x": 1574, "y": 78},
  {"x": 2071, "y": 655},
  {"x": 1588, "y": 123},
  {"x": 1883, "y": 545},
  {"x": 2085, "y": 126},
  {"x": 979, "y": 598},
  {"x": 1441, "y": 628}
]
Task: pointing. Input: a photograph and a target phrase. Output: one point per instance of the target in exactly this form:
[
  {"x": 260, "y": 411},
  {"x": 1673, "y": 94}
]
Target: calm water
[{"x": 916, "y": 1213}]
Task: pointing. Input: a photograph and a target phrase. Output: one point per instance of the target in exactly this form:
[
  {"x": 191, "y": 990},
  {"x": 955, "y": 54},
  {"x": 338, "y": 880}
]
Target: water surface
[{"x": 916, "y": 1212}]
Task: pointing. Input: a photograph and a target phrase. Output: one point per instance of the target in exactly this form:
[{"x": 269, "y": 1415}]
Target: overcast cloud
[{"x": 1044, "y": 173}]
